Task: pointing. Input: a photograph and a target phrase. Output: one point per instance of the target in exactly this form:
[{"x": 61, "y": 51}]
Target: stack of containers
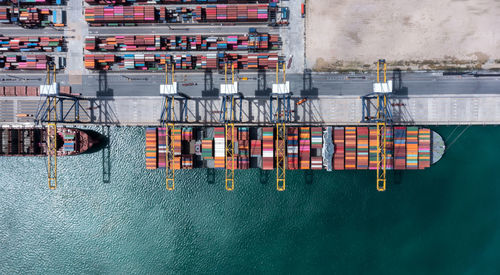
[
  {"x": 412, "y": 148},
  {"x": 262, "y": 12},
  {"x": 268, "y": 148},
  {"x": 20, "y": 90},
  {"x": 243, "y": 148},
  {"x": 305, "y": 148},
  {"x": 220, "y": 147},
  {"x": 389, "y": 148},
  {"x": 207, "y": 148},
  {"x": 400, "y": 148},
  {"x": 151, "y": 150},
  {"x": 293, "y": 148},
  {"x": 99, "y": 61},
  {"x": 69, "y": 142},
  {"x": 30, "y": 44},
  {"x": 242, "y": 13},
  {"x": 316, "y": 163},
  {"x": 316, "y": 137},
  {"x": 177, "y": 147},
  {"x": 187, "y": 134},
  {"x": 362, "y": 147},
  {"x": 90, "y": 43},
  {"x": 4, "y": 15},
  {"x": 373, "y": 148},
  {"x": 339, "y": 152},
  {"x": 28, "y": 62},
  {"x": 255, "y": 148},
  {"x": 187, "y": 162},
  {"x": 177, "y": 142},
  {"x": 162, "y": 147},
  {"x": 210, "y": 13},
  {"x": 350, "y": 148},
  {"x": 424, "y": 148}
]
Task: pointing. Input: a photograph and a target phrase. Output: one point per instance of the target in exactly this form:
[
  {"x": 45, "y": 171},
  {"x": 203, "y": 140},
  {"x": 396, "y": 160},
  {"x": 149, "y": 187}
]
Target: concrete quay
[{"x": 451, "y": 109}]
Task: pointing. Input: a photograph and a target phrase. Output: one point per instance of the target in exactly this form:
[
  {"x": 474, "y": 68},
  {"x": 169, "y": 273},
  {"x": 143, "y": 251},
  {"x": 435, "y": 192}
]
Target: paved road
[{"x": 143, "y": 84}]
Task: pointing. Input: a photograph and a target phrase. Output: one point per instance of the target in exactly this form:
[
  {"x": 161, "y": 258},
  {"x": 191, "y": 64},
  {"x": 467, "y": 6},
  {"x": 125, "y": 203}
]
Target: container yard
[
  {"x": 204, "y": 147},
  {"x": 251, "y": 42},
  {"x": 32, "y": 17},
  {"x": 156, "y": 62},
  {"x": 31, "y": 44},
  {"x": 132, "y": 15}
]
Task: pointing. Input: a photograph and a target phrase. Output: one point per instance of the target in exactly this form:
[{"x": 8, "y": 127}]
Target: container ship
[
  {"x": 33, "y": 141},
  {"x": 316, "y": 148}
]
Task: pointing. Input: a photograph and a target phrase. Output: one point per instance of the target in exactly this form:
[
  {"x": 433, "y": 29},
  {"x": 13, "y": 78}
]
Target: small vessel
[{"x": 32, "y": 141}]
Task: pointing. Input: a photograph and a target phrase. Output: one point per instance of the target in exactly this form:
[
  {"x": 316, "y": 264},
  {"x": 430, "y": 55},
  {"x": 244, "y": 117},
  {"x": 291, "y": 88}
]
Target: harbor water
[{"x": 111, "y": 215}]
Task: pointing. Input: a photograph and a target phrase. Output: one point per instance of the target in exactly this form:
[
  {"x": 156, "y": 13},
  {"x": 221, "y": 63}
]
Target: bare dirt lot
[{"x": 409, "y": 34}]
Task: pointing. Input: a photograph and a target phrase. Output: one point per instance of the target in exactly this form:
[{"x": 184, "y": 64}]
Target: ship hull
[{"x": 314, "y": 148}]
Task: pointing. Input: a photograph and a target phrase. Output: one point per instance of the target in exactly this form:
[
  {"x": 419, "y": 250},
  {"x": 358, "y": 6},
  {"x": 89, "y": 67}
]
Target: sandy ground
[{"x": 409, "y": 34}]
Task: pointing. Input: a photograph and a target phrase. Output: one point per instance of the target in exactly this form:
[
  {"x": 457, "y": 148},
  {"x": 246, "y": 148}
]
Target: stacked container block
[
  {"x": 424, "y": 148},
  {"x": 350, "y": 148},
  {"x": 151, "y": 151},
  {"x": 339, "y": 153},
  {"x": 268, "y": 148},
  {"x": 400, "y": 148},
  {"x": 293, "y": 148},
  {"x": 243, "y": 148},
  {"x": 316, "y": 137},
  {"x": 162, "y": 147},
  {"x": 373, "y": 148},
  {"x": 305, "y": 148},
  {"x": 412, "y": 148},
  {"x": 220, "y": 147}
]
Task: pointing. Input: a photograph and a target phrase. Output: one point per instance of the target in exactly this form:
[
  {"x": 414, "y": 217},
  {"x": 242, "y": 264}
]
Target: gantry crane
[
  {"x": 280, "y": 116},
  {"x": 50, "y": 91},
  {"x": 229, "y": 91},
  {"x": 169, "y": 91},
  {"x": 52, "y": 110},
  {"x": 383, "y": 118}
]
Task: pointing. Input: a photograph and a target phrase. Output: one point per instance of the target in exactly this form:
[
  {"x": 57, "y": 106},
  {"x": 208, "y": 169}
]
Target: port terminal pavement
[{"x": 332, "y": 99}]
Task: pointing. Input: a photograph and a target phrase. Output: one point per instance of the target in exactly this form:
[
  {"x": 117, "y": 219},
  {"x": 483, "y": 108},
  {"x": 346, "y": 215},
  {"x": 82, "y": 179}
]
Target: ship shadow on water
[
  {"x": 102, "y": 144},
  {"x": 309, "y": 177},
  {"x": 210, "y": 176}
]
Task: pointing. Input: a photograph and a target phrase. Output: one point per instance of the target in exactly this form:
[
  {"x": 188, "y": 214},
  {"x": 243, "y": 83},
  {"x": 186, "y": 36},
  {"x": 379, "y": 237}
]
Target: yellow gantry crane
[
  {"x": 169, "y": 90},
  {"x": 281, "y": 94},
  {"x": 228, "y": 116},
  {"x": 383, "y": 118},
  {"x": 51, "y": 102}
]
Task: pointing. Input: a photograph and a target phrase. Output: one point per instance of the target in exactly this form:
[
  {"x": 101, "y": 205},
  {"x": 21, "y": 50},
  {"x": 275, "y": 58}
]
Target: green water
[{"x": 443, "y": 220}]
